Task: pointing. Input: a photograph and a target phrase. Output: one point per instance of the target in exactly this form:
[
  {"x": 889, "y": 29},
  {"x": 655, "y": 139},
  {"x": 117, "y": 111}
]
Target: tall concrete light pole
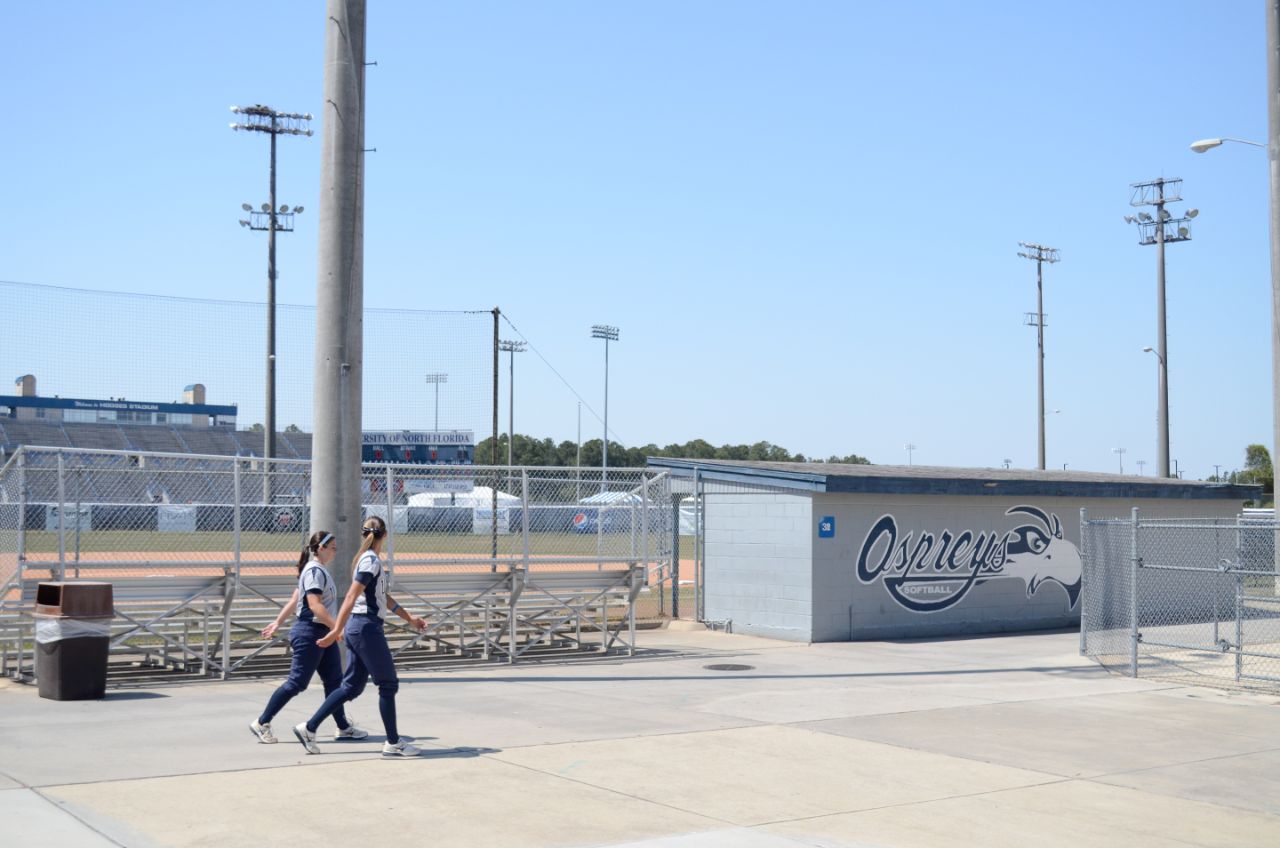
[
  {"x": 1120, "y": 452},
  {"x": 1160, "y": 229},
  {"x": 609, "y": 334},
  {"x": 1039, "y": 254},
  {"x": 264, "y": 119},
  {"x": 339, "y": 362},
  {"x": 512, "y": 348},
  {"x": 436, "y": 379}
]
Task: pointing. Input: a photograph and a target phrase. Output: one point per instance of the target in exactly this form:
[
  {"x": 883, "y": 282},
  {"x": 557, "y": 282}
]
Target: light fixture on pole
[
  {"x": 1039, "y": 254},
  {"x": 909, "y": 448},
  {"x": 1206, "y": 144},
  {"x": 609, "y": 334},
  {"x": 1273, "y": 157},
  {"x": 436, "y": 379},
  {"x": 1160, "y": 229},
  {"x": 1008, "y": 463},
  {"x": 1142, "y": 463},
  {"x": 1120, "y": 453},
  {"x": 512, "y": 348},
  {"x": 264, "y": 119}
]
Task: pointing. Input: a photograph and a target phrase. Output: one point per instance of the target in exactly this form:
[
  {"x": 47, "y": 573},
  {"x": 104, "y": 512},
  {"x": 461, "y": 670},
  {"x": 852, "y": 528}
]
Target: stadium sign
[{"x": 419, "y": 437}]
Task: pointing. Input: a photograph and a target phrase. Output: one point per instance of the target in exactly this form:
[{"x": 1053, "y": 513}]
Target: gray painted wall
[
  {"x": 760, "y": 563},
  {"x": 772, "y": 574}
]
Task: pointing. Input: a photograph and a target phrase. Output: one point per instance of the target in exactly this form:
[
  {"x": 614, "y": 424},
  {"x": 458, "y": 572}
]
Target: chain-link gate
[
  {"x": 201, "y": 551},
  {"x": 1189, "y": 599}
]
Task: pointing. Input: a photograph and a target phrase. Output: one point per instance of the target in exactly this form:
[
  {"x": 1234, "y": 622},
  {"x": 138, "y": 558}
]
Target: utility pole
[
  {"x": 512, "y": 348},
  {"x": 1039, "y": 254},
  {"x": 437, "y": 378},
  {"x": 609, "y": 334},
  {"x": 1160, "y": 229},
  {"x": 339, "y": 362},
  {"x": 264, "y": 119}
]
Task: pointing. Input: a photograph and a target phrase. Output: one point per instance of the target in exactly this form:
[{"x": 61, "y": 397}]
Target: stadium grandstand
[{"x": 191, "y": 427}]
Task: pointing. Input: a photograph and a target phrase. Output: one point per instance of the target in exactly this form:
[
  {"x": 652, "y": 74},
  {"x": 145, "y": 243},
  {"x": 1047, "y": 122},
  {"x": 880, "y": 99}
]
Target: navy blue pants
[
  {"x": 370, "y": 656},
  {"x": 308, "y": 658}
]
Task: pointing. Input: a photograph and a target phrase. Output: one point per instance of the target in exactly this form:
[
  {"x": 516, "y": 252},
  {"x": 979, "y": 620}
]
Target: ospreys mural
[{"x": 930, "y": 572}]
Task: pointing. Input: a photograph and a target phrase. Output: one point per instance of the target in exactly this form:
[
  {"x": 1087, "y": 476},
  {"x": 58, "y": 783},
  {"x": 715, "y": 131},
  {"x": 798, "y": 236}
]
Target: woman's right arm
[
  {"x": 285, "y": 612},
  {"x": 348, "y": 603}
]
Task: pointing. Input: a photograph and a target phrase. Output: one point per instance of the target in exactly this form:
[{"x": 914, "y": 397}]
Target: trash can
[{"x": 73, "y": 630}]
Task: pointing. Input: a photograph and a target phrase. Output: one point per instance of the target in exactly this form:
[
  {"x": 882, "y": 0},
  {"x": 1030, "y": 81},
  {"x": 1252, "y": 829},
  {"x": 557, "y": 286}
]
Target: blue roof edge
[{"x": 837, "y": 483}]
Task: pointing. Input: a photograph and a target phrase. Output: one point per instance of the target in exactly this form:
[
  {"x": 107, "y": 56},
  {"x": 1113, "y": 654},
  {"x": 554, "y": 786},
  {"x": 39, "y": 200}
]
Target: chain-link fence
[
  {"x": 202, "y": 549},
  {"x": 1187, "y": 599}
]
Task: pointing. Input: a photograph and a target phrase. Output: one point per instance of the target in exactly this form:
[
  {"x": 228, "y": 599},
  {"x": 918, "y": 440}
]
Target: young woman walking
[
  {"x": 315, "y": 602},
  {"x": 360, "y": 622}
]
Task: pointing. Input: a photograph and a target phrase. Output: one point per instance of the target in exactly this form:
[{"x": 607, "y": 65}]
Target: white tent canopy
[{"x": 480, "y": 496}]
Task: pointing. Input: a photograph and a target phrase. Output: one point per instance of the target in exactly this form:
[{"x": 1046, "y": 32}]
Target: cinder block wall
[{"x": 760, "y": 553}]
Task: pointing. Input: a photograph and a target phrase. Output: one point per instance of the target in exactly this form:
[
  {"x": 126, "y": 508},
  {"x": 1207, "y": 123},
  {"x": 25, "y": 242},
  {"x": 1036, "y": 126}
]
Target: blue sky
[{"x": 803, "y": 216}]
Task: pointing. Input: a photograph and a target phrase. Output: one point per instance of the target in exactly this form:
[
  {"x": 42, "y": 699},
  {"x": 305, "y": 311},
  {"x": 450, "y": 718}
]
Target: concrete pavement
[{"x": 1009, "y": 740}]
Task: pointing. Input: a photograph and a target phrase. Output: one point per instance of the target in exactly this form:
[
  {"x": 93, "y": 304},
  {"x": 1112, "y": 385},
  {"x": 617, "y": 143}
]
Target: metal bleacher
[
  {"x": 211, "y": 442},
  {"x": 156, "y": 439},
  {"x": 300, "y": 442},
  {"x": 96, "y": 436}
]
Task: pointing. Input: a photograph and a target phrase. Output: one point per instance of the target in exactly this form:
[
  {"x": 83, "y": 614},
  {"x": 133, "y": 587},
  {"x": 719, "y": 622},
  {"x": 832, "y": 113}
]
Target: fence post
[
  {"x": 22, "y": 519},
  {"x": 644, "y": 526},
  {"x": 62, "y": 518},
  {"x": 1084, "y": 582},
  {"x": 391, "y": 523},
  {"x": 697, "y": 544},
  {"x": 524, "y": 515},
  {"x": 233, "y": 578},
  {"x": 1239, "y": 625},
  {"x": 675, "y": 555},
  {"x": 1134, "y": 563}
]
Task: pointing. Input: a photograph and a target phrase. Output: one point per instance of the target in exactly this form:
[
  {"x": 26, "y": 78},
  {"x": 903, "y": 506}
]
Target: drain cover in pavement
[{"x": 728, "y": 667}]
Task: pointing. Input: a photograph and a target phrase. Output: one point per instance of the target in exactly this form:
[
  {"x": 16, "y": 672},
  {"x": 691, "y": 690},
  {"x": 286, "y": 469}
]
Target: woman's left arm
[{"x": 418, "y": 624}]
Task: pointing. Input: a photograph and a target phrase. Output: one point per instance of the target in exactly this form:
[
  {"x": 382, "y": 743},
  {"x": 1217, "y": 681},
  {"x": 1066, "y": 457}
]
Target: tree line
[{"x": 527, "y": 450}]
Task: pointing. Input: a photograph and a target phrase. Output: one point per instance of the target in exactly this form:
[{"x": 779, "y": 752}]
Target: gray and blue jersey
[
  {"x": 373, "y": 600},
  {"x": 316, "y": 580}
]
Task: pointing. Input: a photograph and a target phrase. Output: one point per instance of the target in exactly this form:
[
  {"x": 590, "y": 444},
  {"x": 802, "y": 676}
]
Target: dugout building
[{"x": 816, "y": 552}]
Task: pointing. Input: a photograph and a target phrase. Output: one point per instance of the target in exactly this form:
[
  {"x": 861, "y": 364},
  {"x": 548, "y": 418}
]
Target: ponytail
[
  {"x": 372, "y": 532},
  {"x": 318, "y": 539}
]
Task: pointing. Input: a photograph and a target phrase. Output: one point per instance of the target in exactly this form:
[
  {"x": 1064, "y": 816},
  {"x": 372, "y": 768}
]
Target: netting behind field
[{"x": 100, "y": 345}]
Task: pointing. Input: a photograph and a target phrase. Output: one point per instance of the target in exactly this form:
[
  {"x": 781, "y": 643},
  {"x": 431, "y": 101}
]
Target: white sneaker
[
  {"x": 352, "y": 732},
  {"x": 306, "y": 737},
  {"x": 400, "y": 749},
  {"x": 263, "y": 732}
]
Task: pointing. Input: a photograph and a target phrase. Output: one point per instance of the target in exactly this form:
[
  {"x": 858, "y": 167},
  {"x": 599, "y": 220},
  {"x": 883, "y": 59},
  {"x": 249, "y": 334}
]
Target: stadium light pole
[
  {"x": 512, "y": 348},
  {"x": 910, "y": 449},
  {"x": 1039, "y": 254},
  {"x": 264, "y": 119},
  {"x": 1160, "y": 229},
  {"x": 1120, "y": 453},
  {"x": 436, "y": 379},
  {"x": 609, "y": 334}
]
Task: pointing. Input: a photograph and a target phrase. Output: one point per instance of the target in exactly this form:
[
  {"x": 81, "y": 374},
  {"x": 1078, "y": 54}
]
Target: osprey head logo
[{"x": 928, "y": 573}]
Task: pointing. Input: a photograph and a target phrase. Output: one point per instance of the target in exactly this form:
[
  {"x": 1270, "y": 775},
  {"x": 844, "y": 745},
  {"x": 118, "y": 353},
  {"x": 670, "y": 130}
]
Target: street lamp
[
  {"x": 1207, "y": 144},
  {"x": 1039, "y": 254},
  {"x": 267, "y": 120},
  {"x": 436, "y": 379},
  {"x": 512, "y": 348},
  {"x": 1158, "y": 229},
  {"x": 1120, "y": 452},
  {"x": 609, "y": 334}
]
